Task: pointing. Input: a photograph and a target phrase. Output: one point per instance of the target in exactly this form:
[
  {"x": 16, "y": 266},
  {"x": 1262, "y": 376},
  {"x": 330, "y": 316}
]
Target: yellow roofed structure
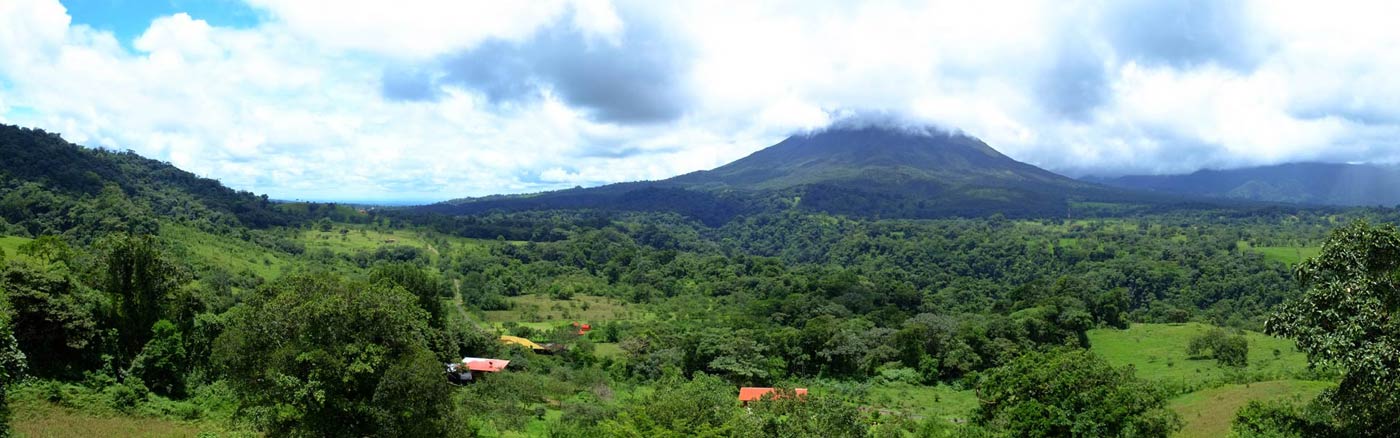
[{"x": 521, "y": 342}]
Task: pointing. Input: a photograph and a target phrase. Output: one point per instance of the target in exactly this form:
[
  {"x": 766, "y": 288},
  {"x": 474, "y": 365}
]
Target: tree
[
  {"x": 140, "y": 279},
  {"x": 699, "y": 407},
  {"x": 426, "y": 287},
  {"x": 48, "y": 248},
  {"x": 1227, "y": 349},
  {"x": 53, "y": 318},
  {"x": 1282, "y": 419},
  {"x": 162, "y": 363},
  {"x": 412, "y": 400},
  {"x": 1345, "y": 319},
  {"x": 784, "y": 414},
  {"x": 1071, "y": 393},
  {"x": 12, "y": 364},
  {"x": 313, "y": 354}
]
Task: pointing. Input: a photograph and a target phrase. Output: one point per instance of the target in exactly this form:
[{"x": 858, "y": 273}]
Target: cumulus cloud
[
  {"x": 429, "y": 99},
  {"x": 623, "y": 73}
]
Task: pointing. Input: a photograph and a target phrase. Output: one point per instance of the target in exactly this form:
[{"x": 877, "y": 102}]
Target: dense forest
[{"x": 132, "y": 291}]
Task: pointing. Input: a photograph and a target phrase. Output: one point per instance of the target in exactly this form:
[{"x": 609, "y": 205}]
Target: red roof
[
  {"x": 489, "y": 365},
  {"x": 749, "y": 393}
]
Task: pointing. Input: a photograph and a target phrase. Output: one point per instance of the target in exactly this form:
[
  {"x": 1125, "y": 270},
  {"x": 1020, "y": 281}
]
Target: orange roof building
[{"x": 749, "y": 393}]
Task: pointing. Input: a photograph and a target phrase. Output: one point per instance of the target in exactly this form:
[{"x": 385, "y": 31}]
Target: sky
[{"x": 426, "y": 100}]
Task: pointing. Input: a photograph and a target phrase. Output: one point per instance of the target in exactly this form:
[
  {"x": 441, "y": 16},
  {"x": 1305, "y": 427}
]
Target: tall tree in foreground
[
  {"x": 1347, "y": 319},
  {"x": 11, "y": 364},
  {"x": 315, "y": 355},
  {"x": 1071, "y": 393},
  {"x": 140, "y": 279}
]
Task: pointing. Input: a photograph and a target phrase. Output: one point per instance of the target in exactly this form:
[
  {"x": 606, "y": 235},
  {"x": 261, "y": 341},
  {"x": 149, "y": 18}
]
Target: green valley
[{"x": 166, "y": 308}]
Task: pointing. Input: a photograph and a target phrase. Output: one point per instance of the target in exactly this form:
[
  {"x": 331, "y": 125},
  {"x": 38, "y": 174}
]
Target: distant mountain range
[
  {"x": 864, "y": 171},
  {"x": 874, "y": 172},
  {"x": 1299, "y": 183}
]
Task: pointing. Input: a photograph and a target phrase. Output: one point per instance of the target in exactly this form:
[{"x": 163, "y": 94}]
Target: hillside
[
  {"x": 51, "y": 185},
  {"x": 863, "y": 172},
  {"x": 1301, "y": 183}
]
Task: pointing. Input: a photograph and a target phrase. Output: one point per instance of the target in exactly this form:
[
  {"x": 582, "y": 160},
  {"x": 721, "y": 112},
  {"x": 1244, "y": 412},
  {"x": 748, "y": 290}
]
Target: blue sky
[
  {"x": 127, "y": 19},
  {"x": 421, "y": 100}
]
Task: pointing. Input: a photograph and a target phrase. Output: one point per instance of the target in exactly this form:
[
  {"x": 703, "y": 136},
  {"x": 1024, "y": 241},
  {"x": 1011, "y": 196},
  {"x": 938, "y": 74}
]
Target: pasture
[{"x": 1158, "y": 352}]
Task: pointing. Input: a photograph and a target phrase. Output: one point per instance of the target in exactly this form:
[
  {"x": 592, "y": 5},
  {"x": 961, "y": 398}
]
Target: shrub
[
  {"x": 1227, "y": 349},
  {"x": 126, "y": 396},
  {"x": 1071, "y": 393}
]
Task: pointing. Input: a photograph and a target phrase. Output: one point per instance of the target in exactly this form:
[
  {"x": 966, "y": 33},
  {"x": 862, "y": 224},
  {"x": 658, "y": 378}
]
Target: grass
[
  {"x": 42, "y": 420},
  {"x": 539, "y": 311},
  {"x": 238, "y": 256},
  {"x": 366, "y": 238},
  {"x": 1158, "y": 352},
  {"x": 940, "y": 401},
  {"x": 230, "y": 253},
  {"x": 359, "y": 238},
  {"x": 38, "y": 418},
  {"x": 1288, "y": 255},
  {"x": 10, "y": 245},
  {"x": 1208, "y": 413},
  {"x": 607, "y": 349}
]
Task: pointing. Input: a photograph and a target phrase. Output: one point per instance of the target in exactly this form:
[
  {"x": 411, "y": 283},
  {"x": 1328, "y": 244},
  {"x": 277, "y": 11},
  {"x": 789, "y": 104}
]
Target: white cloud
[
  {"x": 425, "y": 28},
  {"x": 295, "y": 106}
]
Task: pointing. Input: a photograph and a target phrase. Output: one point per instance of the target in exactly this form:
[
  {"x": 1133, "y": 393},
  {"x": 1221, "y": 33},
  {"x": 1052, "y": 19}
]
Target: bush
[
  {"x": 1281, "y": 419},
  {"x": 900, "y": 375},
  {"x": 126, "y": 396},
  {"x": 1227, "y": 349},
  {"x": 160, "y": 365},
  {"x": 52, "y": 391},
  {"x": 824, "y": 415},
  {"x": 1071, "y": 393}
]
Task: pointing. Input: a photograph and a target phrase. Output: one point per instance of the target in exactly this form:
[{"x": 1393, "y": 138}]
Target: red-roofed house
[
  {"x": 488, "y": 365},
  {"x": 749, "y": 393},
  {"x": 465, "y": 372}
]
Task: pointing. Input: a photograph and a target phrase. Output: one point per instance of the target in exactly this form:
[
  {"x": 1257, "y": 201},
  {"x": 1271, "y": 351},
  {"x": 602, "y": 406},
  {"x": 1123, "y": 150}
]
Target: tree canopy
[{"x": 1346, "y": 319}]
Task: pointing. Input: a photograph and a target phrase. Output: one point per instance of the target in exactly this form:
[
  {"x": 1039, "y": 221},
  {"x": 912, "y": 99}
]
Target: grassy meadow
[
  {"x": 1158, "y": 352},
  {"x": 1288, "y": 255},
  {"x": 10, "y": 245},
  {"x": 917, "y": 401},
  {"x": 1208, "y": 413},
  {"x": 59, "y": 411},
  {"x": 232, "y": 254},
  {"x": 540, "y": 310}
]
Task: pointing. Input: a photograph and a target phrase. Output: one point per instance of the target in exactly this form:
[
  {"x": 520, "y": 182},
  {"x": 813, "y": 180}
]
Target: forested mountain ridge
[
  {"x": 1302, "y": 183},
  {"x": 48, "y": 185},
  {"x": 857, "y": 171}
]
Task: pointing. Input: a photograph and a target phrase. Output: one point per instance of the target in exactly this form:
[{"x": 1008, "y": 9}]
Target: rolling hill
[
  {"x": 48, "y": 185},
  {"x": 864, "y": 171},
  {"x": 1300, "y": 183}
]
